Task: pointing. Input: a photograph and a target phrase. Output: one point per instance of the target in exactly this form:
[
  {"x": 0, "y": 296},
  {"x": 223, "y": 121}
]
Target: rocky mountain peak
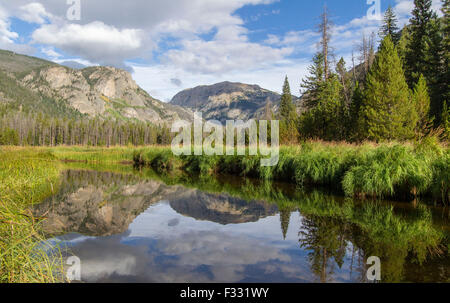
[
  {"x": 106, "y": 92},
  {"x": 227, "y": 100}
]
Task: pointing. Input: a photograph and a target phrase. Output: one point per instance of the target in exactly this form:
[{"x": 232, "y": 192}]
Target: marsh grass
[
  {"x": 365, "y": 171},
  {"x": 26, "y": 177}
]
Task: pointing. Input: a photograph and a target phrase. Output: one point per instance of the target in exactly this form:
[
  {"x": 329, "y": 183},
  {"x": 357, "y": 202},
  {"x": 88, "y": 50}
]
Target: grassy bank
[
  {"x": 26, "y": 177},
  {"x": 391, "y": 170}
]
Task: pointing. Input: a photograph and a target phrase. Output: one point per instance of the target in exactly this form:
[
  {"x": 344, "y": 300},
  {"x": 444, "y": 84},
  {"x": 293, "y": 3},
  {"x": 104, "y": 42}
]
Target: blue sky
[{"x": 178, "y": 44}]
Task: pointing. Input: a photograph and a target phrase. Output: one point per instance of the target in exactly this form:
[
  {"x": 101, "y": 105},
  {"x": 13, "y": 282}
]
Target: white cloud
[
  {"x": 292, "y": 38},
  {"x": 6, "y": 35},
  {"x": 33, "y": 13},
  {"x": 95, "y": 41}
]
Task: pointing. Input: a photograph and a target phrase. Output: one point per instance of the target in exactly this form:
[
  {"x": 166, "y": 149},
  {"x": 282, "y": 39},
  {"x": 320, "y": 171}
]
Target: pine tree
[
  {"x": 288, "y": 115},
  {"x": 313, "y": 84},
  {"x": 342, "y": 73},
  {"x": 386, "y": 110},
  {"x": 436, "y": 78},
  {"x": 326, "y": 120},
  {"x": 389, "y": 26},
  {"x": 285, "y": 217},
  {"x": 287, "y": 108},
  {"x": 354, "y": 111},
  {"x": 421, "y": 101},
  {"x": 417, "y": 58},
  {"x": 403, "y": 44}
]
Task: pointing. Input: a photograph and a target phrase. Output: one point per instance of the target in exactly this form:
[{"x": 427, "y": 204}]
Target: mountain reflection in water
[{"x": 129, "y": 228}]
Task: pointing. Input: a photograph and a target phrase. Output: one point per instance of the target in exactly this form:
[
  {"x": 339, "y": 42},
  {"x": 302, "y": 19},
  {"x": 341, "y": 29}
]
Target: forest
[{"x": 398, "y": 92}]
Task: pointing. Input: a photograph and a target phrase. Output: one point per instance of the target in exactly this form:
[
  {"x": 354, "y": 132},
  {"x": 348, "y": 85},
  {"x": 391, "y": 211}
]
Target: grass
[
  {"x": 93, "y": 154},
  {"x": 389, "y": 170},
  {"x": 26, "y": 177}
]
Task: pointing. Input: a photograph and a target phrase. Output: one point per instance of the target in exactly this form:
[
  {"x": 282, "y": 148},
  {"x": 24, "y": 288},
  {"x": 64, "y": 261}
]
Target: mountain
[
  {"x": 220, "y": 208},
  {"x": 107, "y": 92},
  {"x": 229, "y": 101}
]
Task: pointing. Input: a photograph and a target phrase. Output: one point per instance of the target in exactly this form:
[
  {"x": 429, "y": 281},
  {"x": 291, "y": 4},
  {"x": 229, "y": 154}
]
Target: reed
[
  {"x": 26, "y": 177},
  {"x": 365, "y": 171}
]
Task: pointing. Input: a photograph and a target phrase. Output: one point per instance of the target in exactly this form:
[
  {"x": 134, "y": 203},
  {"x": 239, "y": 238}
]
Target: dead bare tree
[{"x": 325, "y": 32}]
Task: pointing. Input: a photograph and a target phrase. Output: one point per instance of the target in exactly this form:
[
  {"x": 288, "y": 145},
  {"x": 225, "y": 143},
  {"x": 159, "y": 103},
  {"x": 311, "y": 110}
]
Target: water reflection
[{"x": 135, "y": 228}]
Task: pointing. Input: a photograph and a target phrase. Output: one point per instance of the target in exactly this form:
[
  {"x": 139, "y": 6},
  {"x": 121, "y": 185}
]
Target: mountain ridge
[
  {"x": 97, "y": 91},
  {"x": 230, "y": 101}
]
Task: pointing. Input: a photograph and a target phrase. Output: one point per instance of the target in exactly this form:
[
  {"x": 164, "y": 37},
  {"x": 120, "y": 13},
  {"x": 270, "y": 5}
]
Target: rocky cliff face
[
  {"x": 101, "y": 91},
  {"x": 94, "y": 91},
  {"x": 229, "y": 101}
]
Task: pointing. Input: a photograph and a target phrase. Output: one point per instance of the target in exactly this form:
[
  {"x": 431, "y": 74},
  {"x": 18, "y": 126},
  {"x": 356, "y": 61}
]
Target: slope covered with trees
[{"x": 398, "y": 92}]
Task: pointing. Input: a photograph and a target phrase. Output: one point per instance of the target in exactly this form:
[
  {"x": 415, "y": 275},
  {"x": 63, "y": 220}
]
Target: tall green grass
[
  {"x": 26, "y": 177},
  {"x": 94, "y": 154},
  {"x": 390, "y": 170}
]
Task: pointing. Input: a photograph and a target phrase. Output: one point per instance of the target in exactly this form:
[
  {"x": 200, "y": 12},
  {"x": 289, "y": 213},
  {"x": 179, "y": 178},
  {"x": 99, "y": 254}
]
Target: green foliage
[
  {"x": 441, "y": 178},
  {"x": 326, "y": 119},
  {"x": 288, "y": 116},
  {"x": 8, "y": 137},
  {"x": 287, "y": 108},
  {"x": 421, "y": 101},
  {"x": 314, "y": 82},
  {"x": 386, "y": 171},
  {"x": 417, "y": 56},
  {"x": 354, "y": 112},
  {"x": 386, "y": 110},
  {"x": 446, "y": 120}
]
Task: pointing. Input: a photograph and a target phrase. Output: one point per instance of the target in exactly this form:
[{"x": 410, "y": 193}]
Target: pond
[{"x": 138, "y": 226}]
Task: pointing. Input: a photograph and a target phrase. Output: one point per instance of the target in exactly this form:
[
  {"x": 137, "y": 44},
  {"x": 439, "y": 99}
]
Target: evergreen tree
[
  {"x": 386, "y": 110},
  {"x": 403, "y": 44},
  {"x": 354, "y": 111},
  {"x": 285, "y": 217},
  {"x": 345, "y": 82},
  {"x": 418, "y": 50},
  {"x": 313, "y": 84},
  {"x": 326, "y": 120},
  {"x": 288, "y": 116},
  {"x": 287, "y": 108},
  {"x": 421, "y": 101},
  {"x": 389, "y": 26}
]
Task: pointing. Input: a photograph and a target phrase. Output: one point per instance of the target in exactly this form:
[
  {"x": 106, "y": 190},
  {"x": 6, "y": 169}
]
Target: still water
[{"x": 141, "y": 227}]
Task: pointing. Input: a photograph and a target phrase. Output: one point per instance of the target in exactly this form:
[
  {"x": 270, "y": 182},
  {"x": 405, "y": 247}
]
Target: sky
[{"x": 171, "y": 45}]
